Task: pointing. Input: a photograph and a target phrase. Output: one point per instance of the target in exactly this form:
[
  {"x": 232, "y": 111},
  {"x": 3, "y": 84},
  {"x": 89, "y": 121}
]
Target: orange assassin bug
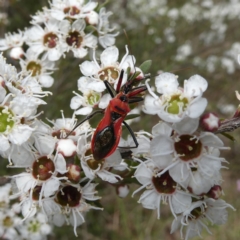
[
  {"x": 108, "y": 132},
  {"x": 107, "y": 135}
]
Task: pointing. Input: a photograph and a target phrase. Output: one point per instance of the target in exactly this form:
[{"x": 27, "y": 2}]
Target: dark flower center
[
  {"x": 188, "y": 147},
  {"x": 71, "y": 10},
  {"x": 109, "y": 73},
  {"x": 68, "y": 196},
  {"x": 43, "y": 168},
  {"x": 35, "y": 68},
  {"x": 74, "y": 39},
  {"x": 164, "y": 183},
  {"x": 50, "y": 40}
]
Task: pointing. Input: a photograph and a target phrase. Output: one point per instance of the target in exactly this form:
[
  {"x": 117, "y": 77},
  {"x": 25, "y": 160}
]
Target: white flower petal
[
  {"x": 161, "y": 145},
  {"x": 2, "y": 93},
  {"x": 84, "y": 111},
  {"x": 109, "y": 56},
  {"x": 198, "y": 184},
  {"x": 151, "y": 105},
  {"x": 162, "y": 129},
  {"x": 79, "y": 25},
  {"x": 166, "y": 83},
  {"x": 97, "y": 86},
  {"x": 107, "y": 176},
  {"x": 172, "y": 118},
  {"x": 58, "y": 219},
  {"x": 79, "y": 52},
  {"x": 89, "y": 6},
  {"x": 211, "y": 140},
  {"x": 50, "y": 187},
  {"x": 114, "y": 159},
  {"x": 28, "y": 209},
  {"x": 195, "y": 86},
  {"x": 180, "y": 173},
  {"x": 104, "y": 102},
  {"x": 46, "y": 81},
  {"x": 54, "y": 54},
  {"x": 24, "y": 182},
  {"x": 143, "y": 173},
  {"x": 4, "y": 146},
  {"x": 76, "y": 102},
  {"x": 88, "y": 68},
  {"x": 186, "y": 126},
  {"x": 60, "y": 164},
  {"x": 196, "y": 108},
  {"x": 181, "y": 202},
  {"x": 20, "y": 134},
  {"x": 149, "y": 199},
  {"x": 163, "y": 161}
]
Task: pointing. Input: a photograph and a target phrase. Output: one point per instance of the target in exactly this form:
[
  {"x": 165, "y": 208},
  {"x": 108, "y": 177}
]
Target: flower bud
[
  {"x": 122, "y": 190},
  {"x": 66, "y": 147},
  {"x": 16, "y": 53},
  {"x": 215, "y": 192},
  {"x": 73, "y": 173},
  {"x": 92, "y": 18},
  {"x": 210, "y": 122}
]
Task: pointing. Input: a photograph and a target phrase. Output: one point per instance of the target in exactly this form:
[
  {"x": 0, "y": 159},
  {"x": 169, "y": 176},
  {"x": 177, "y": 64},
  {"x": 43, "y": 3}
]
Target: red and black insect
[{"x": 107, "y": 135}]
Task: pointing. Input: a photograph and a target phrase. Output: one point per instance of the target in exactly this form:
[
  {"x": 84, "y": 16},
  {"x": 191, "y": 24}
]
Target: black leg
[
  {"x": 135, "y": 100},
  {"x": 110, "y": 89},
  {"x": 84, "y": 120},
  {"x": 132, "y": 134}
]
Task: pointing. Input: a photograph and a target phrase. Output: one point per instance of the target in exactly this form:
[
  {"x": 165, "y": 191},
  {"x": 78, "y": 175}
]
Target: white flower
[
  {"x": 199, "y": 215},
  {"x": 74, "y": 9},
  {"x": 176, "y": 103},
  {"x": 77, "y": 41},
  {"x": 182, "y": 153},
  {"x": 106, "y": 38},
  {"x": 72, "y": 204},
  {"x": 143, "y": 144},
  {"x": 160, "y": 189},
  {"x": 12, "y": 40},
  {"x": 43, "y": 172},
  {"x": 35, "y": 228},
  {"x": 100, "y": 168},
  {"x": 8, "y": 222},
  {"x": 5, "y": 191},
  {"x": 12, "y": 131},
  {"x": 110, "y": 68},
  {"x": 40, "y": 69},
  {"x": 85, "y": 103},
  {"x": 47, "y": 40},
  {"x": 90, "y": 98},
  {"x": 41, "y": 16}
]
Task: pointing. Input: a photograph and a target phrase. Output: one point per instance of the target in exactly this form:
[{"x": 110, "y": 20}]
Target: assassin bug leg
[
  {"x": 132, "y": 134},
  {"x": 85, "y": 119}
]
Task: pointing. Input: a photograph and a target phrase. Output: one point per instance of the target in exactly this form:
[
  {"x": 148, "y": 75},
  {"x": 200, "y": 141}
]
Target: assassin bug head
[{"x": 126, "y": 93}]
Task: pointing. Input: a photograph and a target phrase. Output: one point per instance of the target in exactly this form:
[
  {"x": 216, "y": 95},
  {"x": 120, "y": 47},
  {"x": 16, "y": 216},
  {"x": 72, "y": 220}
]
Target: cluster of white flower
[
  {"x": 179, "y": 164},
  {"x": 64, "y": 160},
  {"x": 60, "y": 167},
  {"x": 12, "y": 226},
  {"x": 66, "y": 26}
]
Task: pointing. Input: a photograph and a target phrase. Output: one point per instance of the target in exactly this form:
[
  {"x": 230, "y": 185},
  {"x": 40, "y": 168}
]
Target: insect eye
[{"x": 123, "y": 98}]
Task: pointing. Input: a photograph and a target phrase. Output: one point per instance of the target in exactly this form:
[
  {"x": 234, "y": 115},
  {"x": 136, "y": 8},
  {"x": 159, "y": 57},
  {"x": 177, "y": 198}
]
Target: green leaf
[
  {"x": 132, "y": 116},
  {"x": 145, "y": 66},
  {"x": 230, "y": 137},
  {"x": 101, "y": 5},
  {"x": 135, "y": 75}
]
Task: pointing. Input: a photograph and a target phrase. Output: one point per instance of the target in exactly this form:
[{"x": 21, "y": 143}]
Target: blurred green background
[{"x": 182, "y": 37}]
